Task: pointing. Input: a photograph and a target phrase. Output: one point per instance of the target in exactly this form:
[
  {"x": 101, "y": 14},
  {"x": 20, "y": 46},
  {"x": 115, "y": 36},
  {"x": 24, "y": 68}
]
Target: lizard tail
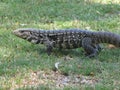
[{"x": 108, "y": 37}]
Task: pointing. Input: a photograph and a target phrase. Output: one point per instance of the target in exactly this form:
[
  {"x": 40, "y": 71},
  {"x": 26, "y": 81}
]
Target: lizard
[{"x": 69, "y": 39}]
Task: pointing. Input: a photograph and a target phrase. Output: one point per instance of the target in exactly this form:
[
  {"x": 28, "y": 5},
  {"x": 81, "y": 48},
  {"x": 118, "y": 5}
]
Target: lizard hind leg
[
  {"x": 91, "y": 51},
  {"x": 98, "y": 47}
]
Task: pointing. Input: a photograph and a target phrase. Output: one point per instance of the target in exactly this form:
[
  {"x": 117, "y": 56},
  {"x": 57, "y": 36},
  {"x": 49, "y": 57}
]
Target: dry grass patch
[{"x": 52, "y": 79}]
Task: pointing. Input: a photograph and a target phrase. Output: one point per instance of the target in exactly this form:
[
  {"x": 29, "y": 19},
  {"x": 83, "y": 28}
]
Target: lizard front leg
[
  {"x": 90, "y": 50},
  {"x": 49, "y": 45}
]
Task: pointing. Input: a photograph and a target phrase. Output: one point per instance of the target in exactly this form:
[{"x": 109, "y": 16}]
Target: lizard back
[{"x": 68, "y": 38}]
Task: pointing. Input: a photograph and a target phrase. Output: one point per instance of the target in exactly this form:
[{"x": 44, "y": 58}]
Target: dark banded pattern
[{"x": 69, "y": 39}]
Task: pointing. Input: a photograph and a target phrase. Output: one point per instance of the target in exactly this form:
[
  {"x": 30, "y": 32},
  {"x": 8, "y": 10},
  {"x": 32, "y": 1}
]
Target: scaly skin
[{"x": 69, "y": 39}]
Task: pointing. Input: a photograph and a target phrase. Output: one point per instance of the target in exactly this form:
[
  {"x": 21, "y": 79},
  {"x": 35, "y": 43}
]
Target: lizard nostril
[{"x": 14, "y": 31}]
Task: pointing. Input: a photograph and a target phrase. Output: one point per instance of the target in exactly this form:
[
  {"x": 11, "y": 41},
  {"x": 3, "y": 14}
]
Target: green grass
[{"x": 19, "y": 58}]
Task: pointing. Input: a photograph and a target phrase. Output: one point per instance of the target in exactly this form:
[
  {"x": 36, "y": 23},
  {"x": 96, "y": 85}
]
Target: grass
[{"x": 26, "y": 66}]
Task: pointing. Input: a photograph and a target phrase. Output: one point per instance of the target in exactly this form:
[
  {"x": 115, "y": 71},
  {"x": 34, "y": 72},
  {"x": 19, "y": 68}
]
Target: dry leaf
[{"x": 111, "y": 46}]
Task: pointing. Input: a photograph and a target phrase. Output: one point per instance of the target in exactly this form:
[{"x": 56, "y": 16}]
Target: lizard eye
[{"x": 21, "y": 31}]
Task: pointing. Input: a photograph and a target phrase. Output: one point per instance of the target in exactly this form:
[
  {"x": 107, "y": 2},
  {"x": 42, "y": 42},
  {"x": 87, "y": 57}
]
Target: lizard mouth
[
  {"x": 19, "y": 34},
  {"x": 16, "y": 32}
]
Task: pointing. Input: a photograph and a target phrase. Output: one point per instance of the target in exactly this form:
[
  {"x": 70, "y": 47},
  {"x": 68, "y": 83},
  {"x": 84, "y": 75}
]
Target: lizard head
[{"x": 29, "y": 34}]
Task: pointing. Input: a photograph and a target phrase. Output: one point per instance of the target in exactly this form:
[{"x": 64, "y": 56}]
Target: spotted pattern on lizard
[{"x": 69, "y": 39}]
